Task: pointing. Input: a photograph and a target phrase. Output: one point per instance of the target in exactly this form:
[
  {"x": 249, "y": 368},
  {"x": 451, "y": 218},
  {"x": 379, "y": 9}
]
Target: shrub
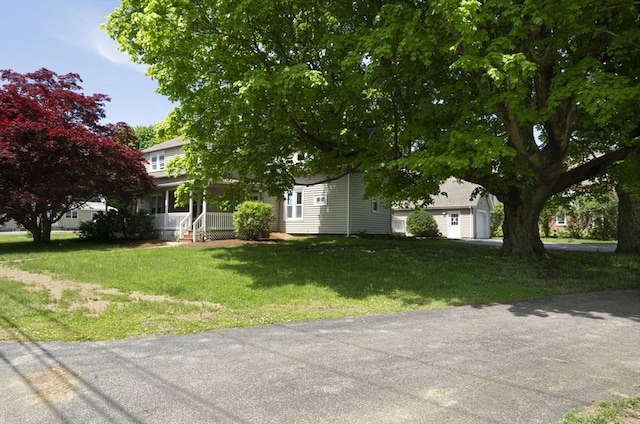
[
  {"x": 116, "y": 225},
  {"x": 421, "y": 223},
  {"x": 251, "y": 219},
  {"x": 497, "y": 218}
]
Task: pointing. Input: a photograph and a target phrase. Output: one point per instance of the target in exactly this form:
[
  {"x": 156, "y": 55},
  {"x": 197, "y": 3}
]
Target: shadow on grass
[
  {"x": 23, "y": 245},
  {"x": 423, "y": 272}
]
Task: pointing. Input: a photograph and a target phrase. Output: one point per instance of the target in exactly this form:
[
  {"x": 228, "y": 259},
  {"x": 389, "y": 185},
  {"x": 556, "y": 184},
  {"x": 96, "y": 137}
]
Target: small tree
[
  {"x": 421, "y": 223},
  {"x": 251, "y": 219},
  {"x": 55, "y": 154}
]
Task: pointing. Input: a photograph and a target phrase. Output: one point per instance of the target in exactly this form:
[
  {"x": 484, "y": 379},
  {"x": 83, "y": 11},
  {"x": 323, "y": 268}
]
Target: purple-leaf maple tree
[{"x": 55, "y": 154}]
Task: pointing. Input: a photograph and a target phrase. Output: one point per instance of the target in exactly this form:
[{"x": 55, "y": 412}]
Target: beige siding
[
  {"x": 332, "y": 218},
  {"x": 318, "y": 219},
  {"x": 169, "y": 153},
  {"x": 363, "y": 218}
]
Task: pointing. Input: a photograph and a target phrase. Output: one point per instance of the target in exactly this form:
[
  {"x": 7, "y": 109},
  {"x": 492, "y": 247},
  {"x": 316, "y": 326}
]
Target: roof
[
  {"x": 458, "y": 195},
  {"x": 94, "y": 206},
  {"x": 174, "y": 142}
]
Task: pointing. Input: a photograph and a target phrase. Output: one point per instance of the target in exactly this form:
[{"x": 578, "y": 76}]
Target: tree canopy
[
  {"x": 524, "y": 98},
  {"x": 54, "y": 153}
]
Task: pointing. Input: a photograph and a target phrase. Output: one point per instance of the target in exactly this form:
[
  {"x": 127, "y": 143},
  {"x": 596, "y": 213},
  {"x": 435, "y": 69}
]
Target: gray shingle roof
[
  {"x": 458, "y": 196},
  {"x": 174, "y": 142}
]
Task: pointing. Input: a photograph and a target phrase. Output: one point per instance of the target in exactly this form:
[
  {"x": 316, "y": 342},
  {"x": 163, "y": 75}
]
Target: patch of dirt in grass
[{"x": 92, "y": 295}]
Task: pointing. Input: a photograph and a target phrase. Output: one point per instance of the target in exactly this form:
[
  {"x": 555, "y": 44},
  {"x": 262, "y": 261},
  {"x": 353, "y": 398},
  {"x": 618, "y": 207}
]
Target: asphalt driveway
[{"x": 524, "y": 362}]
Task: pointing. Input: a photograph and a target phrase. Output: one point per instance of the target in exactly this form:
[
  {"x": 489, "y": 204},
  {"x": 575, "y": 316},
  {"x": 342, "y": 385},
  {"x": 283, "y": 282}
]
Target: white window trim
[
  {"x": 375, "y": 205},
  {"x": 155, "y": 161},
  {"x": 294, "y": 206},
  {"x": 320, "y": 200},
  {"x": 561, "y": 222},
  {"x": 71, "y": 214}
]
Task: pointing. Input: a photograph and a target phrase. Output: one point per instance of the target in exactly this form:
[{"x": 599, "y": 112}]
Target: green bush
[
  {"x": 421, "y": 223},
  {"x": 497, "y": 219},
  {"x": 251, "y": 219},
  {"x": 115, "y": 225}
]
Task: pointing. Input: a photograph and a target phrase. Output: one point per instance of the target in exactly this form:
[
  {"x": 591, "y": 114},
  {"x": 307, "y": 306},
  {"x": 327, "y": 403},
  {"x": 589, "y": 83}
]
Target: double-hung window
[
  {"x": 294, "y": 205},
  {"x": 71, "y": 214},
  {"x": 375, "y": 205},
  {"x": 561, "y": 220},
  {"x": 157, "y": 161},
  {"x": 157, "y": 203}
]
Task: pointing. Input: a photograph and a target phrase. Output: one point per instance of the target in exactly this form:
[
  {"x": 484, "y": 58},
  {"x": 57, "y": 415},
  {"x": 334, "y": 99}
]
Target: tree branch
[{"x": 590, "y": 169}]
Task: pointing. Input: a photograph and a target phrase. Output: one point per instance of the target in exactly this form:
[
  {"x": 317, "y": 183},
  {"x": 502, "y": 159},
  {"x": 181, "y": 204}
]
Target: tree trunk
[
  {"x": 520, "y": 227},
  {"x": 628, "y": 223},
  {"x": 40, "y": 229}
]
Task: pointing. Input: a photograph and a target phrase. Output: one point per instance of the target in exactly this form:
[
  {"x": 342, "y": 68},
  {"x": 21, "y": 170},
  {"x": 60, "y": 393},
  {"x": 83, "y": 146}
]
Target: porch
[{"x": 206, "y": 226}]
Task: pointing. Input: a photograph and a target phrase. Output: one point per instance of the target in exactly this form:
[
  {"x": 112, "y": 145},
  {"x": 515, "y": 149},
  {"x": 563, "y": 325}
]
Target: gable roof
[
  {"x": 458, "y": 195},
  {"x": 174, "y": 142}
]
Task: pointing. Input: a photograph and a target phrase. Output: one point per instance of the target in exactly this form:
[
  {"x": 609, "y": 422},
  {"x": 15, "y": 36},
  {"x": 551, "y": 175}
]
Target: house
[
  {"x": 85, "y": 212},
  {"x": 457, "y": 214},
  {"x": 315, "y": 206},
  {"x": 73, "y": 218}
]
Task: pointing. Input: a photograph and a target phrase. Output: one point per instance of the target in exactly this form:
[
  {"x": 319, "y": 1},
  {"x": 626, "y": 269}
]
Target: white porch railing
[
  {"x": 184, "y": 226},
  {"x": 201, "y": 227},
  {"x": 219, "y": 221},
  {"x": 169, "y": 221},
  {"x": 198, "y": 228}
]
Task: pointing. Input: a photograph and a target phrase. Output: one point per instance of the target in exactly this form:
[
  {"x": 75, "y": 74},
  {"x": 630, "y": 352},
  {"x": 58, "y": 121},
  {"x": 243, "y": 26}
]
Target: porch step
[{"x": 187, "y": 238}]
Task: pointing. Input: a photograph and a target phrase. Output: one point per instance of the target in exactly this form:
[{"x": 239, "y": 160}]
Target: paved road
[
  {"x": 576, "y": 247},
  {"x": 525, "y": 362}
]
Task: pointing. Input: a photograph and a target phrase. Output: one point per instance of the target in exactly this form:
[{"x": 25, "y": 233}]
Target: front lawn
[{"x": 108, "y": 291}]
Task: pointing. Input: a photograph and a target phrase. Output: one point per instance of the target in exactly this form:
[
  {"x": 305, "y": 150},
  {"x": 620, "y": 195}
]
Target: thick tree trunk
[
  {"x": 628, "y": 223},
  {"x": 520, "y": 227},
  {"x": 40, "y": 228}
]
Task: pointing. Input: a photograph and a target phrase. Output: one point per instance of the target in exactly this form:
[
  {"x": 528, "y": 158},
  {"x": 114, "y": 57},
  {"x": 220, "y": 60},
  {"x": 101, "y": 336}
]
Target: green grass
[
  {"x": 302, "y": 279},
  {"x": 607, "y": 412}
]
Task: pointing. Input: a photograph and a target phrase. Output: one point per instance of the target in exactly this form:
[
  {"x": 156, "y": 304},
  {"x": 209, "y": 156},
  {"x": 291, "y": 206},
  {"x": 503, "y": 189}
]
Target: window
[
  {"x": 294, "y": 205},
  {"x": 375, "y": 205},
  {"x": 561, "y": 220},
  {"x": 320, "y": 200},
  {"x": 157, "y": 161},
  {"x": 157, "y": 203},
  {"x": 71, "y": 214}
]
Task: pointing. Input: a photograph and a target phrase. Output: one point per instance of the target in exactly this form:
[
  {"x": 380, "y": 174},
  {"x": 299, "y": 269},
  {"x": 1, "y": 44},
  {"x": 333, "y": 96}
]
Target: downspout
[{"x": 348, "y": 204}]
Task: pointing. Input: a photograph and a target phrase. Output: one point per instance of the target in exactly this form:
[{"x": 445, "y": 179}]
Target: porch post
[
  {"x": 204, "y": 211},
  {"x": 166, "y": 208}
]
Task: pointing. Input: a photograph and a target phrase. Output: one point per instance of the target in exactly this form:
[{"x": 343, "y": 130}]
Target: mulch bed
[{"x": 273, "y": 238}]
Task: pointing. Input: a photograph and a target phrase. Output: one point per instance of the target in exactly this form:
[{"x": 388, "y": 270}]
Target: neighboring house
[
  {"x": 72, "y": 219},
  {"x": 313, "y": 207},
  {"x": 559, "y": 222},
  {"x": 456, "y": 213},
  {"x": 86, "y": 212}
]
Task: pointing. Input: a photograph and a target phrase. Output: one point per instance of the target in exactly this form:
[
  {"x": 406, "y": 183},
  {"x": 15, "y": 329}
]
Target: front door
[{"x": 454, "y": 226}]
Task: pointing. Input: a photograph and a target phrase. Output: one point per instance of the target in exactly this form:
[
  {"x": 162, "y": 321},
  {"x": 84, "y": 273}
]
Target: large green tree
[{"x": 524, "y": 98}]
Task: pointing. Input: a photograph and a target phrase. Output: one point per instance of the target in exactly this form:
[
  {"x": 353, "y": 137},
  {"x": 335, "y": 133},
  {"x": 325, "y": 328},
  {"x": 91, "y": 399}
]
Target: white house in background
[
  {"x": 72, "y": 219},
  {"x": 313, "y": 207},
  {"x": 86, "y": 212},
  {"x": 457, "y": 214}
]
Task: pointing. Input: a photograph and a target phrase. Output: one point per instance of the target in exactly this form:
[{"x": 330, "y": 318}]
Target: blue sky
[{"x": 64, "y": 36}]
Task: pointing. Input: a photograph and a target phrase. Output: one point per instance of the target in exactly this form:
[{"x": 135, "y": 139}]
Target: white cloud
[{"x": 107, "y": 48}]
